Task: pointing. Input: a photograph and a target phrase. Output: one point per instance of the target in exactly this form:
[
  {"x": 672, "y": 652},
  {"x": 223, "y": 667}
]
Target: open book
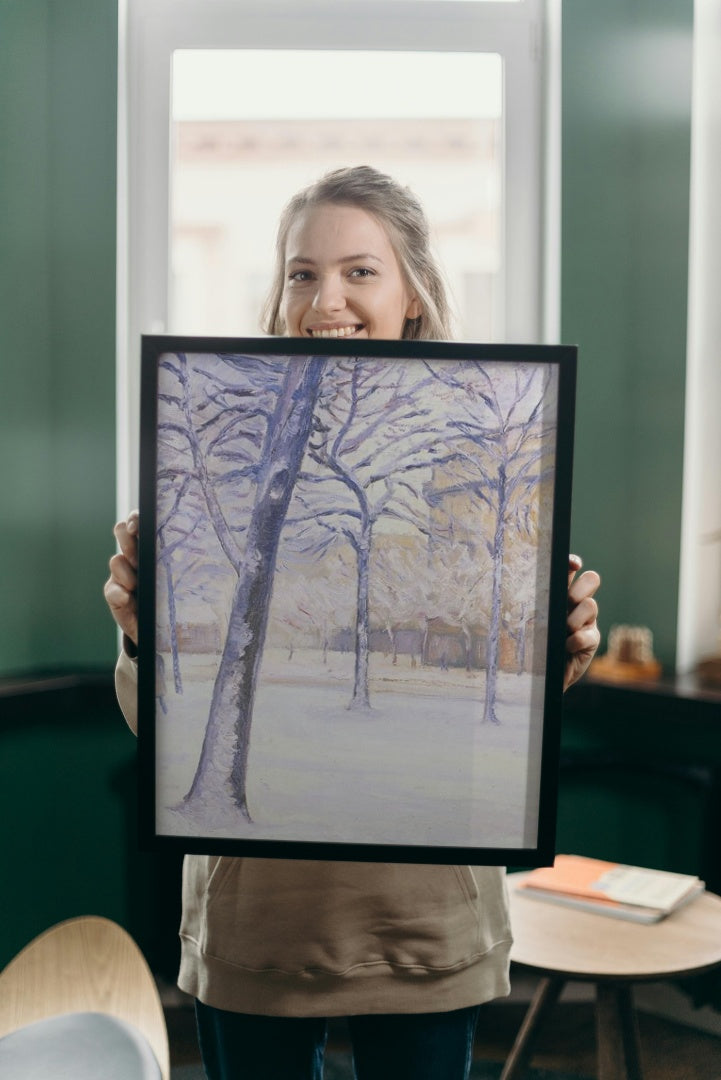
[{"x": 608, "y": 888}]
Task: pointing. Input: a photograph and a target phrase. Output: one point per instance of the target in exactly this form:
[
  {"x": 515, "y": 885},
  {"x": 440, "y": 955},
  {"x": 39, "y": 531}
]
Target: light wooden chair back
[{"x": 87, "y": 964}]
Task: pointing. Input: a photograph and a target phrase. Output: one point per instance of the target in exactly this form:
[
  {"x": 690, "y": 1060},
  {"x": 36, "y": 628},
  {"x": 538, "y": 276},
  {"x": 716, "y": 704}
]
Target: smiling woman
[
  {"x": 353, "y": 259},
  {"x": 272, "y": 946},
  {"x": 332, "y": 292}
]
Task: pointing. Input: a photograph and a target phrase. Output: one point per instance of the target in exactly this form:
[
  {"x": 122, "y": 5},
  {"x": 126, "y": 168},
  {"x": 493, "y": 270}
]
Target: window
[
  {"x": 227, "y": 107},
  {"x": 235, "y": 160}
]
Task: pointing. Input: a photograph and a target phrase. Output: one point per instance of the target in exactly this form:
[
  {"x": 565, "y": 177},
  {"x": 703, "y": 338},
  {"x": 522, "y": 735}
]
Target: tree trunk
[
  {"x": 492, "y": 644},
  {"x": 172, "y": 620},
  {"x": 467, "y": 649},
  {"x": 361, "y": 698},
  {"x": 521, "y": 648},
  {"x": 220, "y": 777}
]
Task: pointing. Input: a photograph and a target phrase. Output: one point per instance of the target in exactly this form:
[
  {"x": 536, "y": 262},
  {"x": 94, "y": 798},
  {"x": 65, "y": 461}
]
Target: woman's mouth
[{"x": 334, "y": 331}]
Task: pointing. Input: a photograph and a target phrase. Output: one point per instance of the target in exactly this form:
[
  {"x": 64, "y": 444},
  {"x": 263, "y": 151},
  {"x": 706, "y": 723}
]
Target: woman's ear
[{"x": 415, "y": 309}]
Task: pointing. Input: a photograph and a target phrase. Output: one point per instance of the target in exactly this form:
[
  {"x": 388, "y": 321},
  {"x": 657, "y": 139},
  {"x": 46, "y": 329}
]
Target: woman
[{"x": 271, "y": 948}]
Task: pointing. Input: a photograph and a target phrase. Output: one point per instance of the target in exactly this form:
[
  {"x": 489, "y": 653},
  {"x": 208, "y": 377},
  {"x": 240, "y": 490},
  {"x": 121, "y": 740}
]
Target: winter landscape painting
[{"x": 352, "y": 596}]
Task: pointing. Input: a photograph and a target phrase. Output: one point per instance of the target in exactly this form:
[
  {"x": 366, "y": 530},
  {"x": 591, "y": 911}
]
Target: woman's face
[{"x": 342, "y": 277}]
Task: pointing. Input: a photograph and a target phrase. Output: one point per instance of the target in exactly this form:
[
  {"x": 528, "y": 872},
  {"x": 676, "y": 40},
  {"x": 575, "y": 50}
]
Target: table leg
[
  {"x": 617, "y": 1033},
  {"x": 545, "y": 997}
]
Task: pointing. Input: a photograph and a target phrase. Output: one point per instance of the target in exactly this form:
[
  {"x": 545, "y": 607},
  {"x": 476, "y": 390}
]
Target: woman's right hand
[{"x": 121, "y": 587}]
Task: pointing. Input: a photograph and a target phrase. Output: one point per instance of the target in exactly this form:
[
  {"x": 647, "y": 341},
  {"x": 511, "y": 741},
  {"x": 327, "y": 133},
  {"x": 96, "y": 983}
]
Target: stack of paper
[{"x": 624, "y": 892}]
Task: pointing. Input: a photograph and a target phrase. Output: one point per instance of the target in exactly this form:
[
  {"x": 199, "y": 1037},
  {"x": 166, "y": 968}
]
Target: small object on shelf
[
  {"x": 629, "y": 657},
  {"x": 635, "y": 893},
  {"x": 709, "y": 671}
]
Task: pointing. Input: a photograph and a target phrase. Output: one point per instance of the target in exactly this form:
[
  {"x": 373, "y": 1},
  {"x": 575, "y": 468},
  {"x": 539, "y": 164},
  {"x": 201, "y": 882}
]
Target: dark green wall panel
[
  {"x": 58, "y": 77},
  {"x": 25, "y": 390},
  {"x": 82, "y": 217},
  {"x": 68, "y": 800},
  {"x": 61, "y": 787},
  {"x": 626, "y": 146}
]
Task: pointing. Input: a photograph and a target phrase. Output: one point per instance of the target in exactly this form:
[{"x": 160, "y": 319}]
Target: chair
[{"x": 79, "y": 1002}]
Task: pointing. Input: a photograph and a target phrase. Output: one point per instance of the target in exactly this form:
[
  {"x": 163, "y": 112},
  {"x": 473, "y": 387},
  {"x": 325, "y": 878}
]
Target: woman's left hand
[{"x": 583, "y": 635}]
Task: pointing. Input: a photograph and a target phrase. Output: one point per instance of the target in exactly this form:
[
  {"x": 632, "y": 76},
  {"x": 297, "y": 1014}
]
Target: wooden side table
[{"x": 562, "y": 944}]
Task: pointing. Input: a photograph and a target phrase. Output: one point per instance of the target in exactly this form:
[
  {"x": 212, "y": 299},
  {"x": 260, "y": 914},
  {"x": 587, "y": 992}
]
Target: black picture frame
[{"x": 353, "y": 571}]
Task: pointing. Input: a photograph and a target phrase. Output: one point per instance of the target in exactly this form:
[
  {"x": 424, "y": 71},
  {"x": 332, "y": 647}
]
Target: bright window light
[
  {"x": 239, "y": 154},
  {"x": 223, "y": 84}
]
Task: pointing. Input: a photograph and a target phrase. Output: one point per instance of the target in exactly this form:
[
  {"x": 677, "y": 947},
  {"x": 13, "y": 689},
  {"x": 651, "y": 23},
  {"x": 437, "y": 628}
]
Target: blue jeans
[{"x": 415, "y": 1046}]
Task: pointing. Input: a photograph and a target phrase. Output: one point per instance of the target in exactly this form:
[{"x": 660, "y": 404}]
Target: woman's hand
[
  {"x": 121, "y": 587},
  {"x": 583, "y": 635}
]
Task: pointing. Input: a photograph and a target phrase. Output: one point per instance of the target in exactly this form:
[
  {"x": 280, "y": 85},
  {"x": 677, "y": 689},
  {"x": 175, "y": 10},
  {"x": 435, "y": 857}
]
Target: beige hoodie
[{"x": 283, "y": 937}]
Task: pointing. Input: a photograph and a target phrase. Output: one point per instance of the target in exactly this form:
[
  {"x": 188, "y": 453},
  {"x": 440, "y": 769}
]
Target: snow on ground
[{"x": 420, "y": 767}]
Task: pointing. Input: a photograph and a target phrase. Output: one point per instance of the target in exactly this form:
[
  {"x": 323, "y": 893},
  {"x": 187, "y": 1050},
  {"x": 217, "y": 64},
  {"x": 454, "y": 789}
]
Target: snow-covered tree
[
  {"x": 378, "y": 432},
  {"x": 400, "y": 581},
  {"x": 312, "y": 601},
  {"x": 249, "y": 433},
  {"x": 500, "y": 419}
]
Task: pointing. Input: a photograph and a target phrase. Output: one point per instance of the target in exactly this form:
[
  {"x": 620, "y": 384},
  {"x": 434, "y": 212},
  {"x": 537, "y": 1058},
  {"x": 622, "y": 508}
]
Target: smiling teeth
[{"x": 337, "y": 331}]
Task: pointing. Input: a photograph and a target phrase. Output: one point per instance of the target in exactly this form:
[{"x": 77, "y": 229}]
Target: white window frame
[
  {"x": 699, "y": 598},
  {"x": 525, "y": 34}
]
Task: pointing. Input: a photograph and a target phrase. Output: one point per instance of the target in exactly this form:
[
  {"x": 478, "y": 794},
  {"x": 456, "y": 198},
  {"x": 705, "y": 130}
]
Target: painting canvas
[{"x": 353, "y": 567}]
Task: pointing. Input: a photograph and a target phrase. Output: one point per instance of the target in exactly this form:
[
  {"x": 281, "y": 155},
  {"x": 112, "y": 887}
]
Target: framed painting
[{"x": 352, "y": 597}]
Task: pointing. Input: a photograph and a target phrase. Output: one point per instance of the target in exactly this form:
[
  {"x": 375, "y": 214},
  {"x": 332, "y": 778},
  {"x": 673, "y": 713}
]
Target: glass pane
[{"x": 250, "y": 128}]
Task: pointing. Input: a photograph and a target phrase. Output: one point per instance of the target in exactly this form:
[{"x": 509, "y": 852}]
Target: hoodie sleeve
[{"x": 126, "y": 688}]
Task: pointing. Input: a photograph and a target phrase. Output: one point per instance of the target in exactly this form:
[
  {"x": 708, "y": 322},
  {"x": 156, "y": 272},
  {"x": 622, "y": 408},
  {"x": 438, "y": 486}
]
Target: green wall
[
  {"x": 626, "y": 146},
  {"x": 58, "y": 72},
  {"x": 68, "y": 801},
  {"x": 67, "y": 774}
]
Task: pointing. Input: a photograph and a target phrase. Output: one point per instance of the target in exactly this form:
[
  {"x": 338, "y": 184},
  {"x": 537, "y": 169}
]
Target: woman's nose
[{"x": 329, "y": 296}]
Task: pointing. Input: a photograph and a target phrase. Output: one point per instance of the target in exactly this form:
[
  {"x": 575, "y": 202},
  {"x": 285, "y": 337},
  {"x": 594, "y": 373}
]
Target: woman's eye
[
  {"x": 300, "y": 276},
  {"x": 362, "y": 272}
]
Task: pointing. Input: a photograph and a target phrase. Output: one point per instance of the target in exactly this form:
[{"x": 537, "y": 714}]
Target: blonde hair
[{"x": 403, "y": 217}]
